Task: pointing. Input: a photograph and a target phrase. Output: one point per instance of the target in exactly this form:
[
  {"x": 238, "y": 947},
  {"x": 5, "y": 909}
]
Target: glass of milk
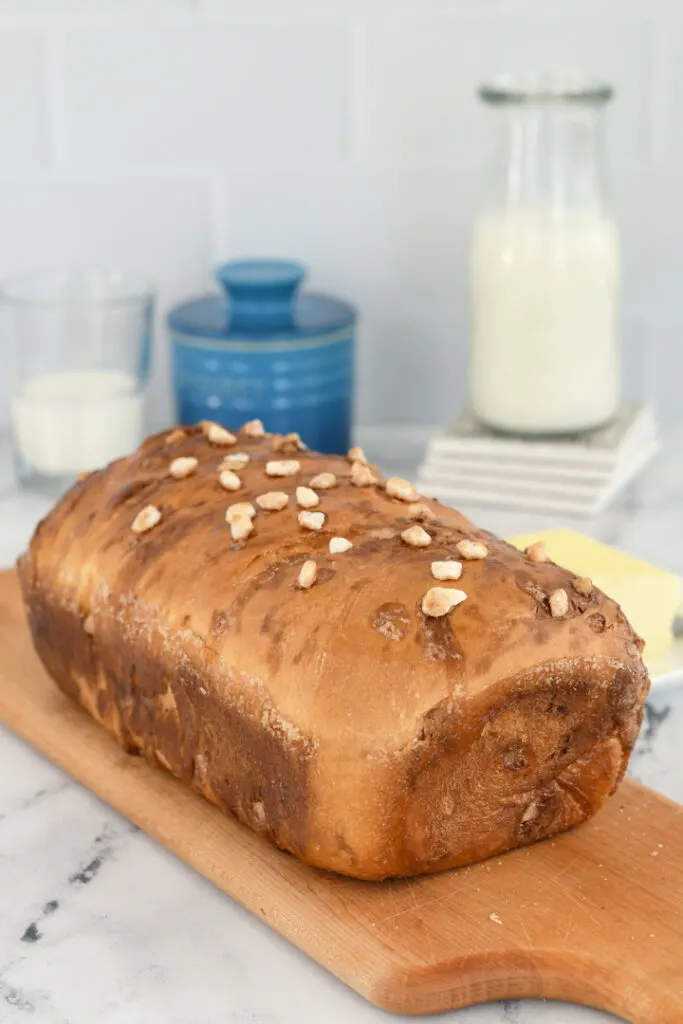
[
  {"x": 78, "y": 347},
  {"x": 544, "y": 267}
]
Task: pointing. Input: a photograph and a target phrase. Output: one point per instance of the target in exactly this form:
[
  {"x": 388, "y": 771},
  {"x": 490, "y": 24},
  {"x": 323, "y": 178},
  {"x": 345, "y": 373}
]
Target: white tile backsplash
[
  {"x": 421, "y": 77},
  {"x": 649, "y": 203},
  {"x": 206, "y": 94},
  {"x": 165, "y": 135},
  {"x": 667, "y": 89},
  {"x": 21, "y": 101},
  {"x": 363, "y": 231},
  {"x": 158, "y": 228},
  {"x": 395, "y": 245}
]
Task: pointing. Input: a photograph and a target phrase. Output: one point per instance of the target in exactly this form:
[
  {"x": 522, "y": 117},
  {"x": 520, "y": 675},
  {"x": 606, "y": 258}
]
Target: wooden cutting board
[{"x": 593, "y": 917}]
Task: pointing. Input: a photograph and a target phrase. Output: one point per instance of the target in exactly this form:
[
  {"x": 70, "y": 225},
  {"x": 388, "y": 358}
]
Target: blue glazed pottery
[{"x": 264, "y": 350}]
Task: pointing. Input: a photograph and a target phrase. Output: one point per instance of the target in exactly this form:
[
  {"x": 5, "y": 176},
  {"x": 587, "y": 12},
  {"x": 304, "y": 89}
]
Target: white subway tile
[
  {"x": 593, "y": 8},
  {"x": 653, "y": 359},
  {"x": 382, "y": 230},
  {"x": 158, "y": 228},
  {"x": 343, "y": 8},
  {"x": 412, "y": 362},
  {"x": 56, "y": 10},
  {"x": 21, "y": 101},
  {"x": 651, "y": 217},
  {"x": 663, "y": 342},
  {"x": 208, "y": 93},
  {"x": 395, "y": 245},
  {"x": 667, "y": 74},
  {"x": 419, "y": 79}
]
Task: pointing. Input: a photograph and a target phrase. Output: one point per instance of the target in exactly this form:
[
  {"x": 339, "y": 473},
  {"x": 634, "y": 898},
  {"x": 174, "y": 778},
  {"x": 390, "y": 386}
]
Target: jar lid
[{"x": 261, "y": 303}]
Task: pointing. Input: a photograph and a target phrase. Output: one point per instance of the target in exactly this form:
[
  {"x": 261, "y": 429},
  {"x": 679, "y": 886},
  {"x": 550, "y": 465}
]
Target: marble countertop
[{"x": 101, "y": 924}]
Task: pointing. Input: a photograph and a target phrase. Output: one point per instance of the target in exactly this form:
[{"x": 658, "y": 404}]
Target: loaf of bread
[{"x": 355, "y": 672}]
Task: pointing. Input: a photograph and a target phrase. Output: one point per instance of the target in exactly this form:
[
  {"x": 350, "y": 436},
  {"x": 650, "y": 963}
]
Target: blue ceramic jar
[{"x": 266, "y": 351}]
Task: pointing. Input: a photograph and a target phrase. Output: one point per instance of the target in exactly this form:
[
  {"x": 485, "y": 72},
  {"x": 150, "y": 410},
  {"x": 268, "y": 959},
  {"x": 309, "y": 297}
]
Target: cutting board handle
[{"x": 594, "y": 917}]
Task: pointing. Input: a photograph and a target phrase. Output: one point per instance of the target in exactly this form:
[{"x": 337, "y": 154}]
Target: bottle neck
[{"x": 549, "y": 157}]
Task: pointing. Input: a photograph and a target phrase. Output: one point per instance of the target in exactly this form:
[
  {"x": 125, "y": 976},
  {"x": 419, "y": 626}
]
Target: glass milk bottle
[{"x": 544, "y": 270}]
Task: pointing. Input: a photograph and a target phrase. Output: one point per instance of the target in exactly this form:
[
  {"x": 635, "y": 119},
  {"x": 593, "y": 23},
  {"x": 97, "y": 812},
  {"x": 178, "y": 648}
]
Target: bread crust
[{"x": 338, "y": 719}]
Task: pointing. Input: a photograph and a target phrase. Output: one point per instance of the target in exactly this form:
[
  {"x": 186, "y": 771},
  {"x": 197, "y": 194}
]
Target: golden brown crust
[{"x": 338, "y": 719}]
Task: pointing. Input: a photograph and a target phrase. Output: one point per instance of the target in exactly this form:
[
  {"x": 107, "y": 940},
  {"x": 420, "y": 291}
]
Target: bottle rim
[{"x": 546, "y": 88}]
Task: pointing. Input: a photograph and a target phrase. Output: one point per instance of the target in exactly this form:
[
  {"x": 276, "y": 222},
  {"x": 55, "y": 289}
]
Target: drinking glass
[{"x": 78, "y": 345}]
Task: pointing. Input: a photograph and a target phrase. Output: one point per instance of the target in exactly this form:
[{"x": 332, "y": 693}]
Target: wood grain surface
[{"x": 592, "y": 917}]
